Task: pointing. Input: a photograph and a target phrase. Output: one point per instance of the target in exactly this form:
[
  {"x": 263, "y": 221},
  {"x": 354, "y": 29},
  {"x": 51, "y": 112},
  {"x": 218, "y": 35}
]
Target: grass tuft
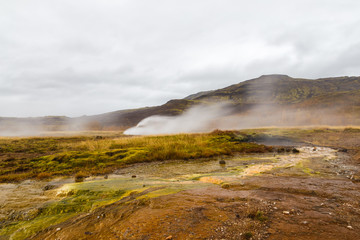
[{"x": 42, "y": 158}]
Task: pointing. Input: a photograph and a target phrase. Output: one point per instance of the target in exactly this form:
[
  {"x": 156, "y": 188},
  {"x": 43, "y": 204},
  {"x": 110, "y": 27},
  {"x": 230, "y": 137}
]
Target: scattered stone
[
  {"x": 304, "y": 222},
  {"x": 169, "y": 238},
  {"x": 106, "y": 176},
  {"x": 133, "y": 176},
  {"x": 58, "y": 229},
  {"x": 222, "y": 162},
  {"x": 79, "y": 179},
  {"x": 225, "y": 186},
  {"x": 280, "y": 150},
  {"x": 295, "y": 150},
  {"x": 350, "y": 227},
  {"x": 355, "y": 178},
  {"x": 49, "y": 187},
  {"x": 286, "y": 212}
]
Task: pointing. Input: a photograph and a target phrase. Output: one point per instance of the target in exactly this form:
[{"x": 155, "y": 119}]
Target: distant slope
[
  {"x": 281, "y": 89},
  {"x": 341, "y": 93},
  {"x": 129, "y": 118}
]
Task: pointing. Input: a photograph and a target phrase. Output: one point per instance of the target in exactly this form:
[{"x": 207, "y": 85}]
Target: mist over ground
[
  {"x": 223, "y": 116},
  {"x": 200, "y": 118}
]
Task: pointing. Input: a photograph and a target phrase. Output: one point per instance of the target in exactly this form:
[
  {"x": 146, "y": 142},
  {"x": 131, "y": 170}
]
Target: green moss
[
  {"x": 103, "y": 156},
  {"x": 302, "y": 166},
  {"x": 77, "y": 201},
  {"x": 26, "y": 229}
]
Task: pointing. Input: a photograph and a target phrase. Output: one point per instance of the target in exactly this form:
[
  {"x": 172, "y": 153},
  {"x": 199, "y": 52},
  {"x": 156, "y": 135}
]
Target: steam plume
[{"x": 200, "y": 118}]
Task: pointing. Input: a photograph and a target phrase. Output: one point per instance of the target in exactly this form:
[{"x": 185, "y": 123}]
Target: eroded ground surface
[{"x": 313, "y": 194}]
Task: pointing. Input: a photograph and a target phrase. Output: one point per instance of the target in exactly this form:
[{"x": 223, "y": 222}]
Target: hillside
[
  {"x": 340, "y": 94},
  {"x": 296, "y": 93},
  {"x": 282, "y": 89}
]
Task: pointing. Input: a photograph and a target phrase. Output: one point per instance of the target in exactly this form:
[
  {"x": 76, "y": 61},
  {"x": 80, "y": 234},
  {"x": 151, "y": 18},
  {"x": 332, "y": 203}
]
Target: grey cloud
[{"x": 85, "y": 57}]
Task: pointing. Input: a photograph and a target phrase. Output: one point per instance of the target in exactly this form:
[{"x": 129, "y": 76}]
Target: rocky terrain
[{"x": 306, "y": 188}]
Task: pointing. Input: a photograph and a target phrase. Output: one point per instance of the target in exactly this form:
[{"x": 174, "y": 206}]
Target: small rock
[
  {"x": 305, "y": 222},
  {"x": 133, "y": 176},
  {"x": 106, "y": 176},
  {"x": 350, "y": 227},
  {"x": 355, "y": 178},
  {"x": 222, "y": 161},
  {"x": 280, "y": 150},
  {"x": 49, "y": 187},
  {"x": 286, "y": 212},
  {"x": 295, "y": 150},
  {"x": 169, "y": 238},
  {"x": 58, "y": 229}
]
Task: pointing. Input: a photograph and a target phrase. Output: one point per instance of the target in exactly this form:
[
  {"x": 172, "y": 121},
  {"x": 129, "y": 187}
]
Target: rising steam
[
  {"x": 225, "y": 116},
  {"x": 200, "y": 118}
]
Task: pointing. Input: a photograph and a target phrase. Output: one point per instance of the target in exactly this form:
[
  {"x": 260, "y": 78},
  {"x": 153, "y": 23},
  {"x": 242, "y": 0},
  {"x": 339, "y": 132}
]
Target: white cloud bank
[{"x": 86, "y": 57}]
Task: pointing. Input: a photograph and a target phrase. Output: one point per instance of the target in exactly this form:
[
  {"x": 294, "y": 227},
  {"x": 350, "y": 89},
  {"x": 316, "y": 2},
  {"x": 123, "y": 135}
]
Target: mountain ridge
[{"x": 275, "y": 89}]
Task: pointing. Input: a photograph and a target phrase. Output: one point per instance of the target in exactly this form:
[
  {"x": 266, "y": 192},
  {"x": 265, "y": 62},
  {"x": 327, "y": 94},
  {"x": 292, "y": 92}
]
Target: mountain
[
  {"x": 280, "y": 90},
  {"x": 340, "y": 94}
]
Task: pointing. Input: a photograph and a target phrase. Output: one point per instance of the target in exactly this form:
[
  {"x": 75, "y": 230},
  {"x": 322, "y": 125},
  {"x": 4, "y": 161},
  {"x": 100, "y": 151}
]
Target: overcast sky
[{"x": 76, "y": 57}]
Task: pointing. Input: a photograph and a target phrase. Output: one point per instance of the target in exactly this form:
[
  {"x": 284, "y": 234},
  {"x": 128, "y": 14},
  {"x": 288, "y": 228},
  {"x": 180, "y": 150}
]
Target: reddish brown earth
[{"x": 293, "y": 208}]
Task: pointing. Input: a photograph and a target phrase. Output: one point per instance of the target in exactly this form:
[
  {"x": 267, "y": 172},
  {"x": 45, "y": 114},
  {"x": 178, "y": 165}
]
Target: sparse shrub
[
  {"x": 257, "y": 215},
  {"x": 351, "y": 130},
  {"x": 295, "y": 150},
  {"x": 248, "y": 235},
  {"x": 43, "y": 176},
  {"x": 80, "y": 176}
]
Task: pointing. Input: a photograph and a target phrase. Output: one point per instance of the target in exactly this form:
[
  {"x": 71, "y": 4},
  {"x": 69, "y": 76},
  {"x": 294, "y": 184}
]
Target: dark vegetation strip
[{"x": 41, "y": 158}]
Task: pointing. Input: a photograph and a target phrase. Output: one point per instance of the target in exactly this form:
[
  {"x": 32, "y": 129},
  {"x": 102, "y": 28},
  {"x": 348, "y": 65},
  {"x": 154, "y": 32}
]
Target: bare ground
[{"x": 279, "y": 204}]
